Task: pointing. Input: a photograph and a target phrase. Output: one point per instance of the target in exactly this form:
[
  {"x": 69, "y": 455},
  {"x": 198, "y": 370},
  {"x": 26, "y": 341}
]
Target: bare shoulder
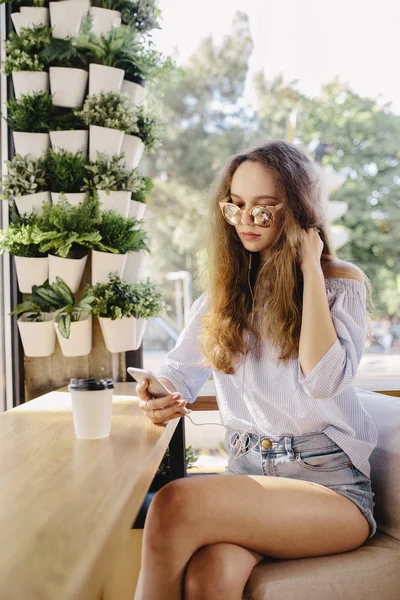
[{"x": 342, "y": 268}]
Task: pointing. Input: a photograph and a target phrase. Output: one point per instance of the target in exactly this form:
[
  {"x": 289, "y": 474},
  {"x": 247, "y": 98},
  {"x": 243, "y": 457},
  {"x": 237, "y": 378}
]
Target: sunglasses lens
[
  {"x": 232, "y": 214},
  {"x": 263, "y": 217}
]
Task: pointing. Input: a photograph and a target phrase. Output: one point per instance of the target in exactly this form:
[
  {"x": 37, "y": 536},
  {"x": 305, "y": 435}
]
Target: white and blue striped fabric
[{"x": 277, "y": 398}]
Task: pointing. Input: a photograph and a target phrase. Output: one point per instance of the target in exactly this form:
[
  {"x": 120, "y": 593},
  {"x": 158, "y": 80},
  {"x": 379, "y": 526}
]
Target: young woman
[{"x": 281, "y": 327}]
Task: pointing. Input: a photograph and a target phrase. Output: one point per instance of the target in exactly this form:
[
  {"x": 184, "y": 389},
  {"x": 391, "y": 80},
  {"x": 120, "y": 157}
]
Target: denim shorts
[{"x": 312, "y": 457}]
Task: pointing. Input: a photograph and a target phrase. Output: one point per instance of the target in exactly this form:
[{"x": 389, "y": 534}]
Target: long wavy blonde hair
[{"x": 227, "y": 275}]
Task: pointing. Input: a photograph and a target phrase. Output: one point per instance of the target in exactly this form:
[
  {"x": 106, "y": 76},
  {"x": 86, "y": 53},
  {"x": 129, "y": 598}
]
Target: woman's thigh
[{"x": 274, "y": 516}]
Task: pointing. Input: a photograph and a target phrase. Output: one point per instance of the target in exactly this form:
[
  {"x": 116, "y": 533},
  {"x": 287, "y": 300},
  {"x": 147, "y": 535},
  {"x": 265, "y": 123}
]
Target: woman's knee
[{"x": 212, "y": 573}]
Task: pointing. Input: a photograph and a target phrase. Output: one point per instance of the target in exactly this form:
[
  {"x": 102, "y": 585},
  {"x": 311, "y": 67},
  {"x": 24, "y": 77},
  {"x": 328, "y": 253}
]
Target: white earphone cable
[{"x": 240, "y": 443}]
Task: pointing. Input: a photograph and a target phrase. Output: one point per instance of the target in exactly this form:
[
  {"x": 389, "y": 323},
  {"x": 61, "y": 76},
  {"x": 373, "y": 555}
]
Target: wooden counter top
[{"x": 64, "y": 502}]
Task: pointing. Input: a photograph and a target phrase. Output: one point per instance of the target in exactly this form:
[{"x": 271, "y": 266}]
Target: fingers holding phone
[{"x": 160, "y": 410}]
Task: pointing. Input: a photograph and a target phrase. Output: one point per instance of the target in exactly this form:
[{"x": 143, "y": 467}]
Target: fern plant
[
  {"x": 65, "y": 171},
  {"x": 31, "y": 113},
  {"x": 19, "y": 239},
  {"x": 119, "y": 235},
  {"x": 68, "y": 230}
]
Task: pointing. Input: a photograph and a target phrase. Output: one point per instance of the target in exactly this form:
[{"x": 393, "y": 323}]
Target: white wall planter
[
  {"x": 69, "y": 269},
  {"x": 104, "y": 139},
  {"x": 71, "y": 141},
  {"x": 122, "y": 335},
  {"x": 68, "y": 86},
  {"x": 133, "y": 148},
  {"x": 79, "y": 342},
  {"x": 38, "y": 339},
  {"x": 104, "y": 20},
  {"x": 66, "y": 17},
  {"x": 73, "y": 199},
  {"x": 134, "y": 91},
  {"x": 31, "y": 271},
  {"x": 104, "y": 263},
  {"x": 133, "y": 271},
  {"x": 118, "y": 201},
  {"x": 105, "y": 79},
  {"x": 35, "y": 144},
  {"x": 30, "y": 82},
  {"x": 30, "y": 202},
  {"x": 35, "y": 15},
  {"x": 137, "y": 209}
]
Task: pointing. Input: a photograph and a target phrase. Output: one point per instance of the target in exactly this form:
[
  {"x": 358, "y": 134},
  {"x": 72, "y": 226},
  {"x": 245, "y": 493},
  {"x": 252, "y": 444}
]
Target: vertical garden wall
[{"x": 80, "y": 121}]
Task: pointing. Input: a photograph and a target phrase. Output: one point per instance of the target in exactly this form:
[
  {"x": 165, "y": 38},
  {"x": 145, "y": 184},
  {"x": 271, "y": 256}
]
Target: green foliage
[
  {"x": 41, "y": 301},
  {"x": 117, "y": 299},
  {"x": 164, "y": 468},
  {"x": 111, "y": 49},
  {"x": 64, "y": 119},
  {"x": 145, "y": 63},
  {"x": 37, "y": 3},
  {"x": 31, "y": 113},
  {"x": 20, "y": 237},
  {"x": 66, "y": 229},
  {"x": 56, "y": 297},
  {"x": 112, "y": 174},
  {"x": 140, "y": 14},
  {"x": 25, "y": 176},
  {"x": 65, "y": 53},
  {"x": 70, "y": 311},
  {"x": 65, "y": 171},
  {"x": 108, "y": 109},
  {"x": 148, "y": 129},
  {"x": 23, "y": 49},
  {"x": 119, "y": 234},
  {"x": 144, "y": 189}
]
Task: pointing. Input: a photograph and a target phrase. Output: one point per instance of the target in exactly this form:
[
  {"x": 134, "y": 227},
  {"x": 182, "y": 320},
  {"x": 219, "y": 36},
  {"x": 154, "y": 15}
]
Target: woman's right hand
[{"x": 159, "y": 410}]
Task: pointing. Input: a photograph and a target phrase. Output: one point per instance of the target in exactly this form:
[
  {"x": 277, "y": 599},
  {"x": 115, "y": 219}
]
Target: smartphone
[{"x": 156, "y": 389}]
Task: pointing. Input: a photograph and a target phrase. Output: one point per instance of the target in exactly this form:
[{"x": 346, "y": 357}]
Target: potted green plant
[
  {"x": 118, "y": 236},
  {"x": 31, "y": 14},
  {"x": 113, "y": 182},
  {"x": 65, "y": 174},
  {"x": 108, "y": 115},
  {"x": 24, "y": 63},
  {"x": 25, "y": 184},
  {"x": 68, "y": 72},
  {"x": 68, "y": 132},
  {"x": 144, "y": 134},
  {"x": 141, "y": 15},
  {"x": 66, "y": 232},
  {"x": 35, "y": 324},
  {"x": 123, "y": 311},
  {"x": 32, "y": 265},
  {"x": 141, "y": 63},
  {"x": 66, "y": 17},
  {"x": 137, "y": 208},
  {"x": 103, "y": 53},
  {"x": 73, "y": 320},
  {"x": 30, "y": 119},
  {"x": 106, "y": 15}
]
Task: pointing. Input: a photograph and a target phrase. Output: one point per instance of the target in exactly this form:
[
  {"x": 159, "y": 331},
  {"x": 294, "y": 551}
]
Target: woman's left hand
[{"x": 311, "y": 248}]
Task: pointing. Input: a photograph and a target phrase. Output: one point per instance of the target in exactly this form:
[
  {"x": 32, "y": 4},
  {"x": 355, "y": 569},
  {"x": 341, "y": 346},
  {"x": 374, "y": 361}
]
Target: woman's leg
[
  {"x": 219, "y": 571},
  {"x": 274, "y": 516}
]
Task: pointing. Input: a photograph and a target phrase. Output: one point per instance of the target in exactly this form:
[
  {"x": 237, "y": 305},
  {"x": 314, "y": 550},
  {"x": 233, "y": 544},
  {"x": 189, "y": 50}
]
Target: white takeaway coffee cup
[{"x": 91, "y": 407}]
